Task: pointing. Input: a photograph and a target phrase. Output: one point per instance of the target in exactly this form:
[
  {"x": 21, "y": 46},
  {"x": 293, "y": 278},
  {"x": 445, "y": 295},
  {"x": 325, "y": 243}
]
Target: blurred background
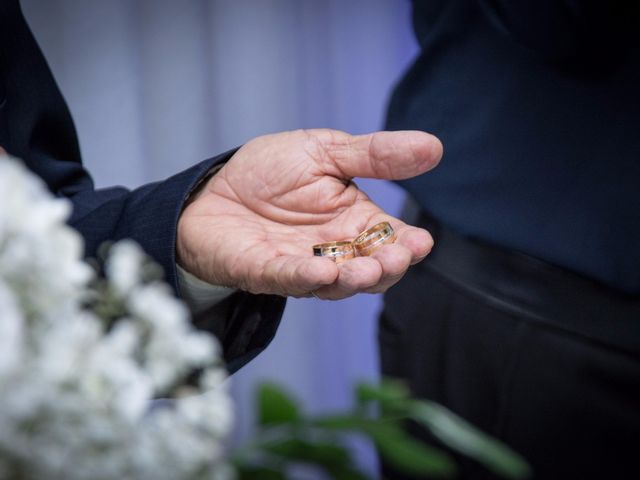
[{"x": 157, "y": 85}]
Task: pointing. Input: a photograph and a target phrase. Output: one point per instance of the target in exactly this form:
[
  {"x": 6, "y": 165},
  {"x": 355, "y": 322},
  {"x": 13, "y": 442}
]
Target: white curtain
[{"x": 157, "y": 85}]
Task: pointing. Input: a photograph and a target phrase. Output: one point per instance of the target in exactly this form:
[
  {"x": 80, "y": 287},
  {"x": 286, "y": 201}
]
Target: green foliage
[
  {"x": 276, "y": 407},
  {"x": 449, "y": 428},
  {"x": 466, "y": 439},
  {"x": 394, "y": 445},
  {"x": 287, "y": 439}
]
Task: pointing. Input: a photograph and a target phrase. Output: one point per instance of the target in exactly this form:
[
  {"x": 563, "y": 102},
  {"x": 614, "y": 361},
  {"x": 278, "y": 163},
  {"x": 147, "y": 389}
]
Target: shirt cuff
[{"x": 198, "y": 294}]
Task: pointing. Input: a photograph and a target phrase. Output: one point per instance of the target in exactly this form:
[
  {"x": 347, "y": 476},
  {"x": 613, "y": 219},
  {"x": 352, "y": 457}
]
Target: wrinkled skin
[{"x": 252, "y": 225}]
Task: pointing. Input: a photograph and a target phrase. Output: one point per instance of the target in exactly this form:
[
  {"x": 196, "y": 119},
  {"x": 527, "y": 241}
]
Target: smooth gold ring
[
  {"x": 336, "y": 251},
  {"x": 373, "y": 238}
]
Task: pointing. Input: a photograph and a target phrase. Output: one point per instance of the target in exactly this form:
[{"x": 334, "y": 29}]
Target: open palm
[{"x": 253, "y": 225}]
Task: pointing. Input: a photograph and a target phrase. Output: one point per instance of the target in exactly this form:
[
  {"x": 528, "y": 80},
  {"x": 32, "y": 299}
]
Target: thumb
[
  {"x": 386, "y": 155},
  {"x": 3, "y": 151}
]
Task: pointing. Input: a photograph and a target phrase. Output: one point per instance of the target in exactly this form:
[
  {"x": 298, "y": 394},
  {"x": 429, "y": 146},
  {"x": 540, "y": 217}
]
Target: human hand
[{"x": 253, "y": 224}]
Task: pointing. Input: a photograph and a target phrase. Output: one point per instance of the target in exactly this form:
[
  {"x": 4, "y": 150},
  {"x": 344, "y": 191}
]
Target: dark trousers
[{"x": 543, "y": 359}]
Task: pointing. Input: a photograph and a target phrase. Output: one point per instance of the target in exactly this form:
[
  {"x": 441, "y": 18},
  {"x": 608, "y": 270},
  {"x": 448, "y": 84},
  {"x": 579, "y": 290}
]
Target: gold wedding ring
[
  {"x": 373, "y": 238},
  {"x": 362, "y": 246},
  {"x": 336, "y": 251}
]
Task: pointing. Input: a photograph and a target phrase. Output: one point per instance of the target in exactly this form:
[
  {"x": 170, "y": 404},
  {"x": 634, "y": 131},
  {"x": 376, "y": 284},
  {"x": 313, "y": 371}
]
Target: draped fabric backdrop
[{"x": 157, "y": 85}]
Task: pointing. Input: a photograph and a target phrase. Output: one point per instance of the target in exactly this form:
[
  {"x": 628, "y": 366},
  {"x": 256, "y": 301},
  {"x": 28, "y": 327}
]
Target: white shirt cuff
[{"x": 198, "y": 294}]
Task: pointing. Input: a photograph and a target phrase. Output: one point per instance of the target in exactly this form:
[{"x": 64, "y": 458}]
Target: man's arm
[
  {"x": 250, "y": 227},
  {"x": 36, "y": 126}
]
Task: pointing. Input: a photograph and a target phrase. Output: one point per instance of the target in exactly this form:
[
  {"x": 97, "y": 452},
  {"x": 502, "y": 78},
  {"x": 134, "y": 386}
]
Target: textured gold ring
[
  {"x": 373, "y": 238},
  {"x": 336, "y": 251}
]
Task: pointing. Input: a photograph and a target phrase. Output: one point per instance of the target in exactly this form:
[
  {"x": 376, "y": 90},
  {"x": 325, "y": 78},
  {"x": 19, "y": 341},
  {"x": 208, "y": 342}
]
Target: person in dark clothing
[
  {"x": 525, "y": 319},
  {"x": 245, "y": 220}
]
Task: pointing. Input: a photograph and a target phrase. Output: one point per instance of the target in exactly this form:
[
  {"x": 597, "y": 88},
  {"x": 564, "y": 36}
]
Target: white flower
[
  {"x": 114, "y": 371},
  {"x": 11, "y": 332},
  {"x": 40, "y": 256},
  {"x": 173, "y": 348},
  {"x": 211, "y": 411},
  {"x": 77, "y": 393},
  {"x": 124, "y": 266}
]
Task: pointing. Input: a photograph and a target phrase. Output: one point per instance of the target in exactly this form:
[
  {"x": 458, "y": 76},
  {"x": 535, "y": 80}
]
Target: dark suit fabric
[
  {"x": 545, "y": 360},
  {"x": 36, "y": 126},
  {"x": 525, "y": 318},
  {"x": 536, "y": 105}
]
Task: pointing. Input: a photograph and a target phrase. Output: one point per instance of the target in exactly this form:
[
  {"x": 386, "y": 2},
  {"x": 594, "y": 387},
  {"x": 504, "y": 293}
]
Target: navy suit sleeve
[
  {"x": 245, "y": 323},
  {"x": 149, "y": 214},
  {"x": 36, "y": 126}
]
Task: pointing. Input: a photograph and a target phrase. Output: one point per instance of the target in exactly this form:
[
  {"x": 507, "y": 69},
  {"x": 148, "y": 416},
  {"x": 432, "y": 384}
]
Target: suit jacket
[
  {"x": 535, "y": 102},
  {"x": 36, "y": 126}
]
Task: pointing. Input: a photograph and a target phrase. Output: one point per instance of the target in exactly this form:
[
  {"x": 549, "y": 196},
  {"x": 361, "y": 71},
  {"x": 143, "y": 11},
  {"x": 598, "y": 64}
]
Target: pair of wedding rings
[{"x": 362, "y": 246}]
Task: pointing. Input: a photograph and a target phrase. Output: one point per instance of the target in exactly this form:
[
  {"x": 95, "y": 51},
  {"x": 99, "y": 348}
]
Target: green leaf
[
  {"x": 330, "y": 457},
  {"x": 275, "y": 406},
  {"x": 345, "y": 473},
  {"x": 411, "y": 456},
  {"x": 390, "y": 394},
  {"x": 460, "y": 435},
  {"x": 307, "y": 451},
  {"x": 258, "y": 473},
  {"x": 397, "y": 447},
  {"x": 342, "y": 423}
]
